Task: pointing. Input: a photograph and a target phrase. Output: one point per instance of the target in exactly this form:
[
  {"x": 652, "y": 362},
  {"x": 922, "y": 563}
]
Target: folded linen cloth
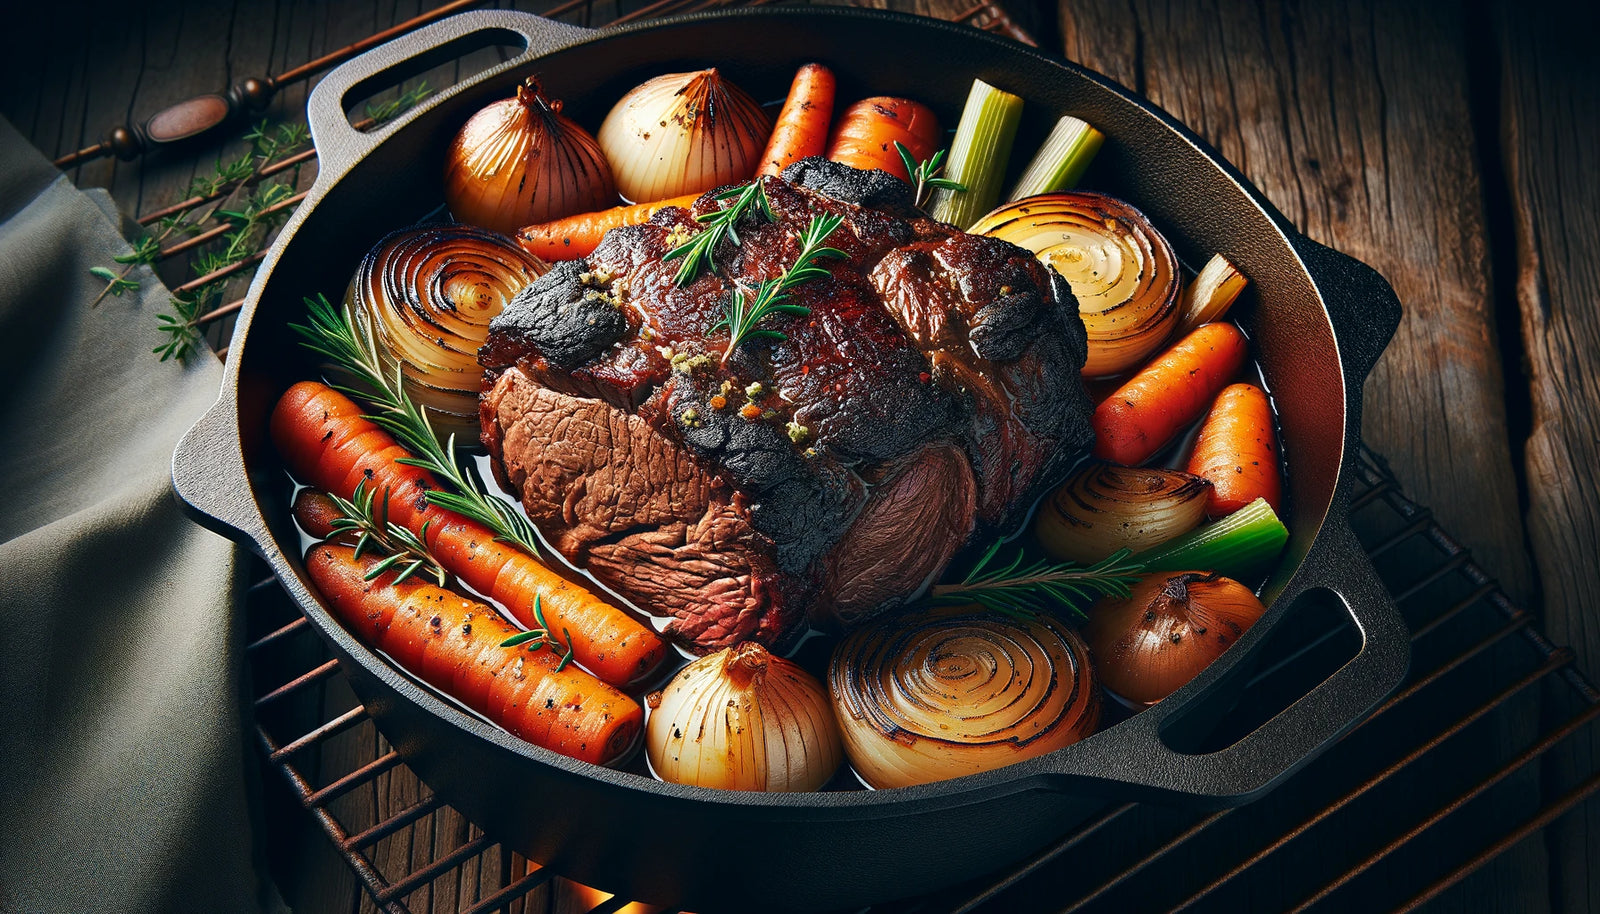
[{"x": 123, "y": 781}]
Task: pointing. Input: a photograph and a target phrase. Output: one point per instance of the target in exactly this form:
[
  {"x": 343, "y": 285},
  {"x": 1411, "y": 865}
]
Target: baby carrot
[
  {"x": 1131, "y": 425},
  {"x": 578, "y": 236},
  {"x": 802, "y": 126},
  {"x": 1238, "y": 451},
  {"x": 866, "y": 133}
]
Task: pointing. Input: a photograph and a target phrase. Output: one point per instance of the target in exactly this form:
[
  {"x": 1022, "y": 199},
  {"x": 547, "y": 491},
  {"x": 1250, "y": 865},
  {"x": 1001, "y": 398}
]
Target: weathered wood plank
[{"x": 1550, "y": 117}]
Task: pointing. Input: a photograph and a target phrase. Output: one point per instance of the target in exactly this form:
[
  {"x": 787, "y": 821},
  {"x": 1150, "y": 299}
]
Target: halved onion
[
  {"x": 1104, "y": 507},
  {"x": 950, "y": 691},
  {"x": 683, "y": 133},
  {"x": 1121, "y": 270},
  {"x": 428, "y": 295}
]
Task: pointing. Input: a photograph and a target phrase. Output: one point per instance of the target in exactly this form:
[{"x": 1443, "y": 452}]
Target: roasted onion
[
  {"x": 743, "y": 719},
  {"x": 1104, "y": 507},
  {"x": 1166, "y": 631},
  {"x": 955, "y": 690},
  {"x": 1121, "y": 270},
  {"x": 427, "y": 296},
  {"x": 683, "y": 133},
  {"x": 520, "y": 160}
]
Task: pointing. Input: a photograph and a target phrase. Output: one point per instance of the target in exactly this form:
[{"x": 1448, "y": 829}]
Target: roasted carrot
[
  {"x": 866, "y": 132},
  {"x": 326, "y": 443},
  {"x": 1238, "y": 451},
  {"x": 316, "y": 512},
  {"x": 1131, "y": 425},
  {"x": 802, "y": 126},
  {"x": 578, "y": 236},
  {"x": 454, "y": 644}
]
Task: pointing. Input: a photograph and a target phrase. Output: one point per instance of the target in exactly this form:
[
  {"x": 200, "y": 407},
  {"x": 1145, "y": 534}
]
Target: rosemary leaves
[
  {"x": 925, "y": 176},
  {"x": 406, "y": 550},
  {"x": 1024, "y": 590},
  {"x": 541, "y": 637},
  {"x": 745, "y": 311},
  {"x": 697, "y": 251}
]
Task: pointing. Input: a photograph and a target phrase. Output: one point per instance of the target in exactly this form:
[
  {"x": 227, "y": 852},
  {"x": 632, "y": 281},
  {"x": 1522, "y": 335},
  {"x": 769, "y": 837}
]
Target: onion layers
[
  {"x": 683, "y": 133},
  {"x": 1104, "y": 507},
  {"x": 427, "y": 296},
  {"x": 956, "y": 690},
  {"x": 1121, "y": 270}
]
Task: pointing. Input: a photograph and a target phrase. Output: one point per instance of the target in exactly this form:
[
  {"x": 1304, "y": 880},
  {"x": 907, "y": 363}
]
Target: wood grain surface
[{"x": 1449, "y": 145}]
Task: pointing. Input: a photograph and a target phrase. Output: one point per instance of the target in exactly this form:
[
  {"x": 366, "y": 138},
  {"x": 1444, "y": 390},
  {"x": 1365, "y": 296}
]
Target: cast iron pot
[{"x": 1318, "y": 320}]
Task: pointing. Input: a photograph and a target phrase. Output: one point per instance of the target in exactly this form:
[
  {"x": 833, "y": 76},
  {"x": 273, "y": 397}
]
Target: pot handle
[
  {"x": 1361, "y": 304},
  {"x": 209, "y": 478},
  {"x": 1133, "y": 759},
  {"x": 340, "y": 145}
]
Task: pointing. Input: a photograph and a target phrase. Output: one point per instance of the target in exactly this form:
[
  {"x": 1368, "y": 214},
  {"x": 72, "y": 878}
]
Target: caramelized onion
[
  {"x": 1104, "y": 507},
  {"x": 427, "y": 296},
  {"x": 956, "y": 690},
  {"x": 743, "y": 719},
  {"x": 1166, "y": 631},
  {"x": 520, "y": 161},
  {"x": 1121, "y": 270},
  {"x": 683, "y": 133}
]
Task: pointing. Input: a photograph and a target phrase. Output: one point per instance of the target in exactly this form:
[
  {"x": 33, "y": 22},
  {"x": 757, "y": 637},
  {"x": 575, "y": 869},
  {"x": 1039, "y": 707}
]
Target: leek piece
[
  {"x": 1236, "y": 546},
  {"x": 979, "y": 155},
  {"x": 1210, "y": 294},
  {"x": 1061, "y": 161}
]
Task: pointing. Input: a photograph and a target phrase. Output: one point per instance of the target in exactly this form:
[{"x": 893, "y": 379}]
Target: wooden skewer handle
[{"x": 186, "y": 120}]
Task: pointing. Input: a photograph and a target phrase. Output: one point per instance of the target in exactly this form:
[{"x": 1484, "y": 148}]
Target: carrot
[
  {"x": 1166, "y": 395},
  {"x": 316, "y": 512},
  {"x": 802, "y": 126},
  {"x": 578, "y": 236},
  {"x": 326, "y": 443},
  {"x": 1238, "y": 451},
  {"x": 453, "y": 644},
  {"x": 866, "y": 133}
]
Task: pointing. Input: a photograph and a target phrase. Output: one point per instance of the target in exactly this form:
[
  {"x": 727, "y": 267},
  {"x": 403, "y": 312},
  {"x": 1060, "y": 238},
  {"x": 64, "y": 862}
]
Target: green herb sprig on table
[
  {"x": 697, "y": 251},
  {"x": 1024, "y": 591},
  {"x": 745, "y": 310},
  {"x": 406, "y": 550},
  {"x": 331, "y": 332},
  {"x": 925, "y": 175},
  {"x": 540, "y": 637}
]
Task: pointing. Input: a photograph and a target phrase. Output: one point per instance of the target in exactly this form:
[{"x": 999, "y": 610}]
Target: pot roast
[{"x": 928, "y": 399}]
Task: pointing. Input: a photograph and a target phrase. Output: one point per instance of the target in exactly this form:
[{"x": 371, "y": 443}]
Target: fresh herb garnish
[
  {"x": 745, "y": 311},
  {"x": 405, "y": 549},
  {"x": 331, "y": 332},
  {"x": 925, "y": 175},
  {"x": 718, "y": 225},
  {"x": 541, "y": 637},
  {"x": 1024, "y": 591}
]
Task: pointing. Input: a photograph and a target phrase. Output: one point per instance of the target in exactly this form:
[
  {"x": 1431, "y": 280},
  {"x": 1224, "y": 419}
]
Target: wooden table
[{"x": 1450, "y": 146}]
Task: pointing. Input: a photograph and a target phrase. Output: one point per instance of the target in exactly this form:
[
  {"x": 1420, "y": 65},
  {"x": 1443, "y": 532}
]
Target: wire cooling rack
[{"x": 1450, "y": 759}]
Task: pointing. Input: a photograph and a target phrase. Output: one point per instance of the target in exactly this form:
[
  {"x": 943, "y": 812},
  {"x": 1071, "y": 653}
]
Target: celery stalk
[
  {"x": 1061, "y": 161},
  {"x": 1235, "y": 546},
  {"x": 979, "y": 155},
  {"x": 1208, "y": 296}
]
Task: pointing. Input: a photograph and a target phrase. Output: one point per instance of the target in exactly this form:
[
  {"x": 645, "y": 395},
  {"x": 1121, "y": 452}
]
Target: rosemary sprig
[
  {"x": 332, "y": 333},
  {"x": 394, "y": 107},
  {"x": 1025, "y": 590},
  {"x": 745, "y": 312},
  {"x": 541, "y": 637},
  {"x": 405, "y": 549},
  {"x": 718, "y": 225},
  {"x": 925, "y": 175}
]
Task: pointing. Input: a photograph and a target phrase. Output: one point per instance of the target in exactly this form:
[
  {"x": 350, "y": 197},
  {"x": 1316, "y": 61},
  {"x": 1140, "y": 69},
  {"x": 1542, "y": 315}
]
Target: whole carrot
[
  {"x": 578, "y": 236},
  {"x": 1138, "y": 420},
  {"x": 866, "y": 133},
  {"x": 454, "y": 644},
  {"x": 1238, "y": 451},
  {"x": 326, "y": 443},
  {"x": 802, "y": 126}
]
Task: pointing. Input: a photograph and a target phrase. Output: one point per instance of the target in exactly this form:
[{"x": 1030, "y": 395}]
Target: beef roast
[{"x": 927, "y": 399}]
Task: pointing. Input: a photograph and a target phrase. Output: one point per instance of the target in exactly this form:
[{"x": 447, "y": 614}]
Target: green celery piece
[
  {"x": 1235, "y": 546},
  {"x": 1061, "y": 161},
  {"x": 979, "y": 155}
]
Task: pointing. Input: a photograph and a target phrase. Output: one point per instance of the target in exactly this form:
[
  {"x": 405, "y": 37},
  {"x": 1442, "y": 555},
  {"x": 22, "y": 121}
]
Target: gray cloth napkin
[{"x": 122, "y": 748}]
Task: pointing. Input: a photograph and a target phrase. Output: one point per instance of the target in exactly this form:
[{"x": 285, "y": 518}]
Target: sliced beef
[{"x": 929, "y": 395}]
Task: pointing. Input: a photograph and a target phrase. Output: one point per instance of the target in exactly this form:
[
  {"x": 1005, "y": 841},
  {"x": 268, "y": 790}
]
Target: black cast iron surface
[{"x": 1329, "y": 319}]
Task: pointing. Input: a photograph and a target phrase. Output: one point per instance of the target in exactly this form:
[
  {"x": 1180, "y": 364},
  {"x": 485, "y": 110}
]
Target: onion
[
  {"x": 1103, "y": 508},
  {"x": 1164, "y": 633},
  {"x": 683, "y": 133},
  {"x": 743, "y": 719},
  {"x": 1121, "y": 270},
  {"x": 956, "y": 690},
  {"x": 427, "y": 296},
  {"x": 520, "y": 161}
]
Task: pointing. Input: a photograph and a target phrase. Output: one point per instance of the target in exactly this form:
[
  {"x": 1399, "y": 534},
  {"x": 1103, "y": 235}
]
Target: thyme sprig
[
  {"x": 331, "y": 332},
  {"x": 720, "y": 224},
  {"x": 745, "y": 311},
  {"x": 1024, "y": 590},
  {"x": 406, "y": 550},
  {"x": 541, "y": 637},
  {"x": 925, "y": 175}
]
